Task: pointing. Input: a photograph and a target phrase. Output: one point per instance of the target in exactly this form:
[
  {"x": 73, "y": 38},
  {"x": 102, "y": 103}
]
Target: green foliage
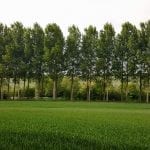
[
  {"x": 54, "y": 60},
  {"x": 72, "y": 51},
  {"x": 54, "y": 43},
  {"x": 29, "y": 93},
  {"x": 88, "y": 52},
  {"x": 28, "y": 53},
  {"x": 38, "y": 50},
  {"x": 33, "y": 54}
]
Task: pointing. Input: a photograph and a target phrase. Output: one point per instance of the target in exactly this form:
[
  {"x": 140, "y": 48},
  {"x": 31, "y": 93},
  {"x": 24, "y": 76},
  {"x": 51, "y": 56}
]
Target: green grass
[{"x": 74, "y": 125}]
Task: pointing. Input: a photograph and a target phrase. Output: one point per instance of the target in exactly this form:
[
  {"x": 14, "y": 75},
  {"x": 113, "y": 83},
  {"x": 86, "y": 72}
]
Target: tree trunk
[
  {"x": 54, "y": 90},
  {"x": 122, "y": 75},
  {"x": 147, "y": 97},
  {"x": 28, "y": 84},
  {"x": 8, "y": 87},
  {"x": 121, "y": 87},
  {"x": 42, "y": 87},
  {"x": 24, "y": 86},
  {"x": 14, "y": 91},
  {"x": 88, "y": 90},
  {"x": 127, "y": 88},
  {"x": 127, "y": 78},
  {"x": 19, "y": 89},
  {"x": 1, "y": 88},
  {"x": 140, "y": 88},
  {"x": 37, "y": 89},
  {"x": 127, "y": 91},
  {"x": 104, "y": 90},
  {"x": 72, "y": 87},
  {"x": 107, "y": 92}
]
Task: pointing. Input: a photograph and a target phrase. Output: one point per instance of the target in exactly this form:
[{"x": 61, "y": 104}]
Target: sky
[{"x": 79, "y": 12}]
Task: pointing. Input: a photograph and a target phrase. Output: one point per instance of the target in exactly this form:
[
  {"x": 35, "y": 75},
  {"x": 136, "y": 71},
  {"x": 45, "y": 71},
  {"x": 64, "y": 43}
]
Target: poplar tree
[
  {"x": 17, "y": 32},
  {"x": 29, "y": 53},
  {"x": 72, "y": 55},
  {"x": 37, "y": 59},
  {"x": 2, "y": 51},
  {"x": 129, "y": 46},
  {"x": 105, "y": 56},
  {"x": 54, "y": 45},
  {"x": 88, "y": 55}
]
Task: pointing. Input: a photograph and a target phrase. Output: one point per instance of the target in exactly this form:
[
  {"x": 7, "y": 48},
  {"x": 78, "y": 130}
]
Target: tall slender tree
[
  {"x": 29, "y": 53},
  {"x": 1, "y": 60},
  {"x": 143, "y": 63},
  {"x": 118, "y": 61},
  {"x": 54, "y": 44},
  {"x": 72, "y": 55},
  {"x": 17, "y": 31},
  {"x": 88, "y": 55},
  {"x": 105, "y": 56},
  {"x": 37, "y": 59},
  {"x": 8, "y": 57},
  {"x": 129, "y": 48}
]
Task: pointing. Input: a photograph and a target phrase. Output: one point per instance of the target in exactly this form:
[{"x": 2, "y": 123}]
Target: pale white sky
[{"x": 79, "y": 12}]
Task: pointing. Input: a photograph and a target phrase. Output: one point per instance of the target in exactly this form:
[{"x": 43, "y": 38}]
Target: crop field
[{"x": 73, "y": 125}]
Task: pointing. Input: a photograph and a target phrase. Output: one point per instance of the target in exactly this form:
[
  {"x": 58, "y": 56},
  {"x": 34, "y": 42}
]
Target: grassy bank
[{"x": 74, "y": 125}]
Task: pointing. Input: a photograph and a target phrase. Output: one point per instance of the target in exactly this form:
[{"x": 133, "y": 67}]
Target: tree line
[{"x": 93, "y": 56}]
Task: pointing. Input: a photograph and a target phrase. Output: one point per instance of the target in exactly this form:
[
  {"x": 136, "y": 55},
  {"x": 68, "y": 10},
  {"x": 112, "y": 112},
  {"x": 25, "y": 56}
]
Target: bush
[
  {"x": 29, "y": 93},
  {"x": 133, "y": 92},
  {"x": 114, "y": 96}
]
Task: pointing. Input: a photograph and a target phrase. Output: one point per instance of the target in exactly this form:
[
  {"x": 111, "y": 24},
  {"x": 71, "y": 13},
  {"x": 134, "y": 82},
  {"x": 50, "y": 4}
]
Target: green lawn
[{"x": 74, "y": 125}]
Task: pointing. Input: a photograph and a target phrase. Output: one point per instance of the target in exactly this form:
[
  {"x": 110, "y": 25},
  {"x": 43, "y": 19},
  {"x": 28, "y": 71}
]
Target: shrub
[{"x": 29, "y": 93}]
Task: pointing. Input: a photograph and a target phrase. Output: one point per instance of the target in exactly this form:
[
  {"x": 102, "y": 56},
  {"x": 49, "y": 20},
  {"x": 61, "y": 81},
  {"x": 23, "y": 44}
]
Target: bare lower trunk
[
  {"x": 88, "y": 90},
  {"x": 107, "y": 95},
  {"x": 28, "y": 84},
  {"x": 127, "y": 89},
  {"x": 54, "y": 90},
  {"x": 106, "y": 87},
  {"x": 72, "y": 87},
  {"x": 121, "y": 88},
  {"x": 127, "y": 93},
  {"x": 24, "y": 86},
  {"x": 14, "y": 91},
  {"x": 140, "y": 87},
  {"x": 147, "y": 97},
  {"x": 127, "y": 80},
  {"x": 121, "y": 80},
  {"x": 42, "y": 87},
  {"x": 19, "y": 89},
  {"x": 8, "y": 87},
  {"x": 37, "y": 89},
  {"x": 1, "y": 88},
  {"x": 104, "y": 91}
]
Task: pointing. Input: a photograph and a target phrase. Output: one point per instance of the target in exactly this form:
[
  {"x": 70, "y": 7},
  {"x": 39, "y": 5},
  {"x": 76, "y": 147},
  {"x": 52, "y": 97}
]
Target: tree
[
  {"x": 7, "y": 57},
  {"x": 143, "y": 63},
  {"x": 54, "y": 44},
  {"x": 129, "y": 45},
  {"x": 105, "y": 55},
  {"x": 1, "y": 60},
  {"x": 17, "y": 32},
  {"x": 118, "y": 61},
  {"x": 88, "y": 55},
  {"x": 72, "y": 55},
  {"x": 37, "y": 59},
  {"x": 28, "y": 50}
]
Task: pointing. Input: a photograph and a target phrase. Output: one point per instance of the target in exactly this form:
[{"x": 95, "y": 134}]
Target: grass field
[{"x": 74, "y": 125}]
